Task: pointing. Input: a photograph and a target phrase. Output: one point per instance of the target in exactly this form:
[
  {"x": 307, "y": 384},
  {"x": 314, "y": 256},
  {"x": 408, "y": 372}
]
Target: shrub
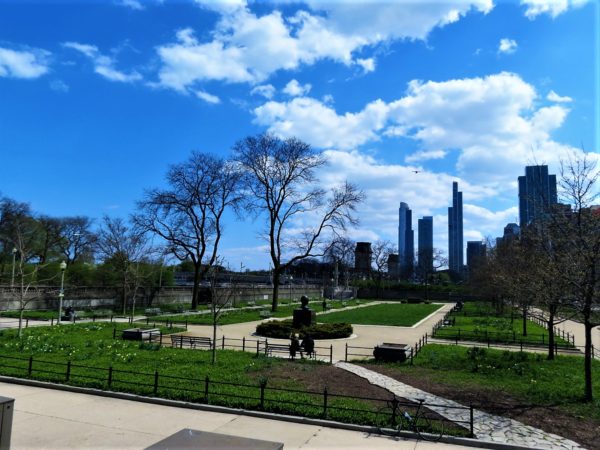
[{"x": 281, "y": 329}]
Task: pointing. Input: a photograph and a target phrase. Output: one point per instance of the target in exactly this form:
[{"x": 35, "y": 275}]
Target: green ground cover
[
  {"x": 394, "y": 314},
  {"x": 180, "y": 373},
  {"x": 47, "y": 315},
  {"x": 479, "y": 322},
  {"x": 528, "y": 377}
]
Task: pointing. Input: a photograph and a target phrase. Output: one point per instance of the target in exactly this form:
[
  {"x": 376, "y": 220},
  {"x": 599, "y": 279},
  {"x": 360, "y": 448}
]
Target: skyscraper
[
  {"x": 425, "y": 226},
  {"x": 455, "y": 231},
  {"x": 537, "y": 192},
  {"x": 406, "y": 241},
  {"x": 363, "y": 257},
  {"x": 476, "y": 252}
]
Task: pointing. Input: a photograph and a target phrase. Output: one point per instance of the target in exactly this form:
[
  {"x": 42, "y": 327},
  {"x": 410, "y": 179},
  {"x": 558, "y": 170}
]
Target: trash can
[{"x": 6, "y": 417}]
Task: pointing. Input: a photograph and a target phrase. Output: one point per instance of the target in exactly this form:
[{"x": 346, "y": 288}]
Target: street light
[
  {"x": 12, "y": 280},
  {"x": 61, "y": 294},
  {"x": 290, "y": 281}
]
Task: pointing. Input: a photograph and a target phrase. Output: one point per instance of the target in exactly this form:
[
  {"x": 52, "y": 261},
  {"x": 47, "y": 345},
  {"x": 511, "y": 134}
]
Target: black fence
[
  {"x": 367, "y": 352},
  {"x": 259, "y": 396}
]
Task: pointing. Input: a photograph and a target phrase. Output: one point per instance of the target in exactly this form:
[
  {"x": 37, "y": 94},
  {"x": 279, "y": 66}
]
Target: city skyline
[{"x": 99, "y": 98}]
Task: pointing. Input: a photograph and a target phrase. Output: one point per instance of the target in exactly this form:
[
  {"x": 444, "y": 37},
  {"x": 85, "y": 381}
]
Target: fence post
[
  {"x": 331, "y": 354},
  {"x": 244, "y": 343},
  {"x": 52, "y": 321},
  {"x": 257, "y": 347},
  {"x": 186, "y": 324},
  {"x": 346, "y": 353},
  {"x": 426, "y": 338},
  {"x": 111, "y": 317},
  {"x": 206, "y": 383},
  {"x": 27, "y": 322},
  {"x": 223, "y": 342},
  {"x": 68, "y": 374},
  {"x": 395, "y": 403},
  {"x": 325, "y": 403},
  {"x": 521, "y": 345},
  {"x": 155, "y": 382},
  {"x": 411, "y": 356},
  {"x": 263, "y": 384},
  {"x": 266, "y": 346},
  {"x": 30, "y": 368},
  {"x": 472, "y": 435}
]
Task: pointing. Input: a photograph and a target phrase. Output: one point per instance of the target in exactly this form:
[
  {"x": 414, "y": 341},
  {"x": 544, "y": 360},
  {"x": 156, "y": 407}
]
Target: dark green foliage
[{"x": 282, "y": 329}]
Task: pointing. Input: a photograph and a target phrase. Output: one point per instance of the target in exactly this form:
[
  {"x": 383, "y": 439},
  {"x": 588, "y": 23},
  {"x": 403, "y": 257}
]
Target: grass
[
  {"x": 393, "y": 314},
  {"x": 528, "y": 377},
  {"x": 479, "y": 322},
  {"x": 47, "y": 315},
  {"x": 233, "y": 381}
]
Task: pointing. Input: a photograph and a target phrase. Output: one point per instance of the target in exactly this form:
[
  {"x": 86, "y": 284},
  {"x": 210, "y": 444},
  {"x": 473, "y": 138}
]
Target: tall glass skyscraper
[
  {"x": 455, "y": 231},
  {"x": 406, "y": 241},
  {"x": 425, "y": 226},
  {"x": 537, "y": 191}
]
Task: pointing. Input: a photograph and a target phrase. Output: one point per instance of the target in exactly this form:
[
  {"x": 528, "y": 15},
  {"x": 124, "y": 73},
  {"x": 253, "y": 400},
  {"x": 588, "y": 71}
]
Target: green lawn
[
  {"x": 526, "y": 376},
  {"x": 477, "y": 322},
  {"x": 181, "y": 373},
  {"x": 47, "y": 315},
  {"x": 394, "y": 314}
]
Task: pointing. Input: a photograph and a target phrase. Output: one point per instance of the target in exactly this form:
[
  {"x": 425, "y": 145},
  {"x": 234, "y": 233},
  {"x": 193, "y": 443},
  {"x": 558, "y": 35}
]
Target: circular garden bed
[{"x": 282, "y": 329}]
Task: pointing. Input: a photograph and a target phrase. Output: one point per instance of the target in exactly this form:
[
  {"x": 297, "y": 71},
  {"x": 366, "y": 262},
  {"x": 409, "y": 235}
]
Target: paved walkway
[
  {"x": 52, "y": 419},
  {"x": 486, "y": 427}
]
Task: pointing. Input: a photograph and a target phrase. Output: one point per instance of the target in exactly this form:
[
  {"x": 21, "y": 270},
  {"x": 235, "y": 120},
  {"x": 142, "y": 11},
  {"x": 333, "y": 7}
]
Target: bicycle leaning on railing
[{"x": 395, "y": 420}]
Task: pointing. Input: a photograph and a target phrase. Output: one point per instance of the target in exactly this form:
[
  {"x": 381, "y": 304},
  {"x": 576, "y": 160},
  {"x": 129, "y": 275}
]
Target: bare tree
[
  {"x": 300, "y": 216},
  {"x": 124, "y": 248},
  {"x": 221, "y": 297},
  {"x": 580, "y": 227},
  {"x": 341, "y": 254},
  {"x": 189, "y": 215},
  {"x": 381, "y": 250},
  {"x": 77, "y": 240},
  {"x": 429, "y": 262},
  {"x": 50, "y": 232}
]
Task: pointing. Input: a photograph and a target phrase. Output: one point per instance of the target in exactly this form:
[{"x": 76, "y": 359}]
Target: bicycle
[{"x": 421, "y": 422}]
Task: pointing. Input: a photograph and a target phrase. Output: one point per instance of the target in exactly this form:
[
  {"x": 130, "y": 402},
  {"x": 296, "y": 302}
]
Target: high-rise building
[
  {"x": 363, "y": 257},
  {"x": 425, "y": 227},
  {"x": 511, "y": 232},
  {"x": 455, "y": 231},
  {"x": 537, "y": 192},
  {"x": 476, "y": 251},
  {"x": 393, "y": 265},
  {"x": 406, "y": 241}
]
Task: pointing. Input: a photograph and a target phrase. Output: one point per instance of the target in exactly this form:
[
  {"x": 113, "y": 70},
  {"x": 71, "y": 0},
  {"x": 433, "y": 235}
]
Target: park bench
[
  {"x": 277, "y": 348},
  {"x": 179, "y": 340},
  {"x": 251, "y": 303},
  {"x": 265, "y": 314},
  {"x": 152, "y": 311}
]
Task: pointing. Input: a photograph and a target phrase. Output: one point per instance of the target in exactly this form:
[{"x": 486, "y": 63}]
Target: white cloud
[
  {"x": 208, "y": 98},
  {"x": 133, "y": 4},
  {"x": 368, "y": 64},
  {"x": 103, "y": 65},
  {"x": 59, "y": 86},
  {"x": 425, "y": 155},
  {"x": 247, "y": 48},
  {"x": 29, "y": 64},
  {"x": 266, "y": 90},
  {"x": 554, "y": 97},
  {"x": 492, "y": 122},
  {"x": 295, "y": 89},
  {"x": 552, "y": 7},
  {"x": 507, "y": 46},
  {"x": 319, "y": 124}
]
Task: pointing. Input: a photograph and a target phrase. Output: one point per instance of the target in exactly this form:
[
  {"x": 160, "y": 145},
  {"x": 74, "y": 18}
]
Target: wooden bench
[
  {"x": 179, "y": 340},
  {"x": 277, "y": 348},
  {"x": 152, "y": 311},
  {"x": 264, "y": 314}
]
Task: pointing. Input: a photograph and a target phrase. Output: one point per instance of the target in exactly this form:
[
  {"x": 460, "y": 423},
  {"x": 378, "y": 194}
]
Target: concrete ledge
[{"x": 259, "y": 414}]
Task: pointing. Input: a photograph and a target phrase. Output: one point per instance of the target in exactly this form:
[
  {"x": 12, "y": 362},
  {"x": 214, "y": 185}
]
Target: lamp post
[
  {"x": 12, "y": 280},
  {"x": 61, "y": 294},
  {"x": 290, "y": 280}
]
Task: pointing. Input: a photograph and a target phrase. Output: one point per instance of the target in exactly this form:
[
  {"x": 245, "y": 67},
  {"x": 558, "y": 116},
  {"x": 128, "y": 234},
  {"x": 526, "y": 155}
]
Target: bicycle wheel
[
  {"x": 383, "y": 421},
  {"x": 428, "y": 428}
]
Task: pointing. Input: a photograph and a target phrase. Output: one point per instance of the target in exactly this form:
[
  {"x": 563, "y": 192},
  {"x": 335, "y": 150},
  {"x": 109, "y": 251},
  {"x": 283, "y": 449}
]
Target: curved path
[{"x": 487, "y": 427}]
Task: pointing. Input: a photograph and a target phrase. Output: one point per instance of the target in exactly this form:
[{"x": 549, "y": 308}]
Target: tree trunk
[
  {"x": 195, "y": 287},
  {"x": 276, "y": 277},
  {"x": 551, "y": 335},
  {"x": 588, "y": 394},
  {"x": 524, "y": 320},
  {"x": 214, "y": 338},
  {"x": 21, "y": 321}
]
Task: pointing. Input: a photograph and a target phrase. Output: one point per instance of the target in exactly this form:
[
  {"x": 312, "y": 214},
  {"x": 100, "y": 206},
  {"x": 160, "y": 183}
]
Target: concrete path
[
  {"x": 51, "y": 419},
  {"x": 487, "y": 427}
]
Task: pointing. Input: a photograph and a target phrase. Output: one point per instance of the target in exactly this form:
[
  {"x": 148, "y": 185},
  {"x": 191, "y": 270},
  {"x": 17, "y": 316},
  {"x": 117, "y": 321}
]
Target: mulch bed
[{"x": 553, "y": 419}]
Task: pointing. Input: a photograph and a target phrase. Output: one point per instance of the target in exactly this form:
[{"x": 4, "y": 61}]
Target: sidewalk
[{"x": 52, "y": 419}]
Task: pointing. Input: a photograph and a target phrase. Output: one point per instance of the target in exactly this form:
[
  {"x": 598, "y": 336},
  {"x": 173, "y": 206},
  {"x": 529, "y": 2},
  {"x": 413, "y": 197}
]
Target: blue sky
[{"x": 97, "y": 98}]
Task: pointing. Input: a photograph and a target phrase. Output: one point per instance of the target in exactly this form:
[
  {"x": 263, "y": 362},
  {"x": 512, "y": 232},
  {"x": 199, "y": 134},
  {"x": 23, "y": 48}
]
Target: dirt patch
[{"x": 553, "y": 419}]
